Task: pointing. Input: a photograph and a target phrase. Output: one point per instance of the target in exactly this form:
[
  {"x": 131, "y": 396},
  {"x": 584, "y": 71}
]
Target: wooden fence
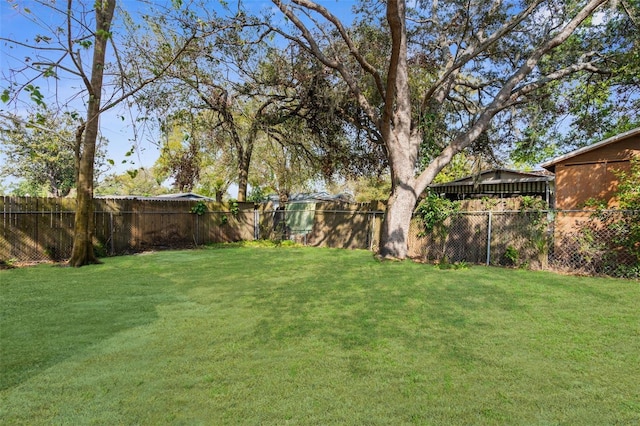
[{"x": 41, "y": 229}]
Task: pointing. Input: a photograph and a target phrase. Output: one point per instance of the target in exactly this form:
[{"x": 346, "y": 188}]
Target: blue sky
[{"x": 119, "y": 132}]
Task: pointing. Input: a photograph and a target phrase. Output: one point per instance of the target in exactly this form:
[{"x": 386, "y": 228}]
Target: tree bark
[
  {"x": 244, "y": 162},
  {"x": 402, "y": 146},
  {"x": 394, "y": 235},
  {"x": 82, "y": 252}
]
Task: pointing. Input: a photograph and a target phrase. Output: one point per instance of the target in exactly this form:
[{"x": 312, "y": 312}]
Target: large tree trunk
[
  {"x": 394, "y": 235},
  {"x": 82, "y": 252},
  {"x": 401, "y": 144},
  {"x": 243, "y": 181}
]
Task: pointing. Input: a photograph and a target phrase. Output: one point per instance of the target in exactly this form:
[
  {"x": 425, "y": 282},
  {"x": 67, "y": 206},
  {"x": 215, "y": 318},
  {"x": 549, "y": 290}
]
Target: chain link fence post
[
  {"x": 489, "y": 223},
  {"x": 256, "y": 223}
]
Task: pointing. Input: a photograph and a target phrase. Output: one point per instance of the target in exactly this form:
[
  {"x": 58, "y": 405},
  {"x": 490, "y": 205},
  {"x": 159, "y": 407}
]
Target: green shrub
[
  {"x": 200, "y": 208},
  {"x": 512, "y": 255},
  {"x": 433, "y": 211}
]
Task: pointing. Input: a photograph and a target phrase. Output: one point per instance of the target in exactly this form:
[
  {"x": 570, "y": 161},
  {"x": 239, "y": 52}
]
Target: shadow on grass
[
  {"x": 43, "y": 324},
  {"x": 355, "y": 313},
  {"x": 314, "y": 336}
]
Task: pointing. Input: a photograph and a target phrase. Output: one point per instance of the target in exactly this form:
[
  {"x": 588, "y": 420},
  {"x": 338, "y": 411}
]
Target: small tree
[{"x": 40, "y": 150}]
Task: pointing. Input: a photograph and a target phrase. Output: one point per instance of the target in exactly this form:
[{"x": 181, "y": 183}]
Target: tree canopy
[
  {"x": 456, "y": 75},
  {"x": 396, "y": 88},
  {"x": 40, "y": 151}
]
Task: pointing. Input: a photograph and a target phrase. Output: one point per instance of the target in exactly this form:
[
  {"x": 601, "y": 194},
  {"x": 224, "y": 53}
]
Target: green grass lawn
[{"x": 314, "y": 336}]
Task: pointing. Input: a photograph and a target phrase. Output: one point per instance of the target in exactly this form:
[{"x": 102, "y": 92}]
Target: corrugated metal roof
[
  {"x": 186, "y": 196},
  {"x": 494, "y": 176},
  {"x": 528, "y": 187},
  {"x": 313, "y": 197}
]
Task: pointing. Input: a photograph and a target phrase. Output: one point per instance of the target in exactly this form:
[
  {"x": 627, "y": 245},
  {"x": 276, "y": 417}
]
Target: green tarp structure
[{"x": 299, "y": 217}]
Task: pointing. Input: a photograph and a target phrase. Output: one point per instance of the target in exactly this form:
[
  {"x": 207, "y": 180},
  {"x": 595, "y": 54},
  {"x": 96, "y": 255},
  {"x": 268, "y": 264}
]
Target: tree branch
[
  {"x": 556, "y": 75},
  {"x": 316, "y": 51},
  {"x": 504, "y": 95},
  {"x": 366, "y": 66},
  {"x": 70, "y": 45},
  {"x": 150, "y": 80},
  {"x": 476, "y": 48}
]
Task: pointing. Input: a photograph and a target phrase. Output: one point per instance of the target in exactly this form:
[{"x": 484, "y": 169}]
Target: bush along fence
[
  {"x": 516, "y": 233},
  {"x": 590, "y": 242}
]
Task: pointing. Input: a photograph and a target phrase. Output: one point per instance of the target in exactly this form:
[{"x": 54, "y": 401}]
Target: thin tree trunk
[
  {"x": 82, "y": 252},
  {"x": 244, "y": 163}
]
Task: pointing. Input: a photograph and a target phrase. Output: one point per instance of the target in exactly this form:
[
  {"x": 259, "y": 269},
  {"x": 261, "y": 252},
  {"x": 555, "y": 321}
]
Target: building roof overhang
[
  {"x": 549, "y": 165},
  {"x": 475, "y": 180}
]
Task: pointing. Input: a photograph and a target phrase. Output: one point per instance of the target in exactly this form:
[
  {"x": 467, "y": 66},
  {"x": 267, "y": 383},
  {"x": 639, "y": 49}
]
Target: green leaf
[
  {"x": 110, "y": 161},
  {"x": 5, "y": 96},
  {"x": 35, "y": 95},
  {"x": 103, "y": 34},
  {"x": 85, "y": 43},
  {"x": 50, "y": 72}
]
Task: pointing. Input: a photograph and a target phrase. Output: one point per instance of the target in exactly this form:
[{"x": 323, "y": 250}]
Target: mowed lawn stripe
[{"x": 314, "y": 336}]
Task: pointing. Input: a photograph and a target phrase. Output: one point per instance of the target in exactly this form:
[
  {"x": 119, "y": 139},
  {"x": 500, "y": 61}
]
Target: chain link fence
[
  {"x": 36, "y": 236},
  {"x": 585, "y": 242},
  {"x": 493, "y": 238},
  {"x": 41, "y": 229},
  {"x": 597, "y": 242}
]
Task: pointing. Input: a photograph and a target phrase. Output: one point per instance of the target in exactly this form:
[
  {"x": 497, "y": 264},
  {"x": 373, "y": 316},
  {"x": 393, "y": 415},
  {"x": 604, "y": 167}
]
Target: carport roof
[
  {"x": 498, "y": 181},
  {"x": 498, "y": 176}
]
